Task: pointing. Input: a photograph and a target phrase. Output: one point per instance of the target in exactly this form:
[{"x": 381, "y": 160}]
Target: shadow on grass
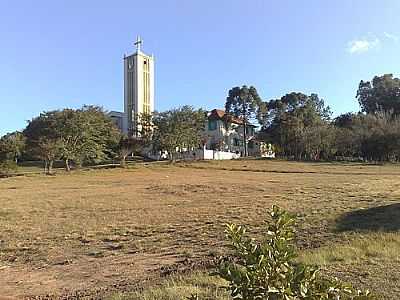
[{"x": 381, "y": 219}]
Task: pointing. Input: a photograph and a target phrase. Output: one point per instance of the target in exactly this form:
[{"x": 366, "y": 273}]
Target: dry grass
[
  {"x": 97, "y": 231},
  {"x": 377, "y": 251},
  {"x": 181, "y": 287},
  {"x": 369, "y": 249}
]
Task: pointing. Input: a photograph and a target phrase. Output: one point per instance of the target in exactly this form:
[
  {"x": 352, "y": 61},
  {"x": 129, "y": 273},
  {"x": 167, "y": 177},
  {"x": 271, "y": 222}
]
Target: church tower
[{"x": 138, "y": 88}]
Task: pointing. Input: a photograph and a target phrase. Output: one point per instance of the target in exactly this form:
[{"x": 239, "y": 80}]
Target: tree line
[
  {"x": 88, "y": 136},
  {"x": 302, "y": 127},
  {"x": 299, "y": 126}
]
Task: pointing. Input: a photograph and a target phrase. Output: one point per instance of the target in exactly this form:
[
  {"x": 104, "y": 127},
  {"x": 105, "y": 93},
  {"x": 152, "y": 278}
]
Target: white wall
[
  {"x": 220, "y": 155},
  {"x": 198, "y": 154}
]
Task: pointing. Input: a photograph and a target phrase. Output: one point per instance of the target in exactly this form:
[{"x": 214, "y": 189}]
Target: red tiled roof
[
  {"x": 218, "y": 112},
  {"x": 222, "y": 115}
]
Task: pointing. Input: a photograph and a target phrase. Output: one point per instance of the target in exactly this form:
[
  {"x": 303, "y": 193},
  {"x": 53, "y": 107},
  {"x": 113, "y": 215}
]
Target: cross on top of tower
[{"x": 138, "y": 43}]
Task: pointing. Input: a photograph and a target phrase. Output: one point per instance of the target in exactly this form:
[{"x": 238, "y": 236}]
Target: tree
[
  {"x": 244, "y": 103},
  {"x": 346, "y": 141},
  {"x": 383, "y": 93},
  {"x": 12, "y": 146},
  {"x": 85, "y": 134},
  {"x": 299, "y": 125},
  {"x": 373, "y": 136},
  {"x": 317, "y": 142},
  {"x": 43, "y": 141},
  {"x": 178, "y": 129},
  {"x": 378, "y": 136},
  {"x": 128, "y": 145},
  {"x": 145, "y": 127},
  {"x": 48, "y": 150},
  {"x": 345, "y": 120}
]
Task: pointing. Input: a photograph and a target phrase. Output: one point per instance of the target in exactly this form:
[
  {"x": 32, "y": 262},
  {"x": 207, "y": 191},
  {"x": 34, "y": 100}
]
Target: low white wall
[
  {"x": 219, "y": 155},
  {"x": 268, "y": 154},
  {"x": 198, "y": 154}
]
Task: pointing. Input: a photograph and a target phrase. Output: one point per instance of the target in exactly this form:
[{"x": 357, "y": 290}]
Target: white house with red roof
[{"x": 224, "y": 132}]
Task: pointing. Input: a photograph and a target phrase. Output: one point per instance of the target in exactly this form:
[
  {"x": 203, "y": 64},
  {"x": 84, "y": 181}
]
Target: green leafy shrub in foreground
[{"x": 268, "y": 270}]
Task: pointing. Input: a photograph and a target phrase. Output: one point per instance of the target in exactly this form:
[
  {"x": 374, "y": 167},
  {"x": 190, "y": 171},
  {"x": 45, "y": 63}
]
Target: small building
[
  {"x": 119, "y": 119},
  {"x": 225, "y": 132}
]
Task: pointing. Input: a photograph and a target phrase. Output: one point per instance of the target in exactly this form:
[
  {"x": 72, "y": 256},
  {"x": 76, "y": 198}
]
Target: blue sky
[{"x": 56, "y": 54}]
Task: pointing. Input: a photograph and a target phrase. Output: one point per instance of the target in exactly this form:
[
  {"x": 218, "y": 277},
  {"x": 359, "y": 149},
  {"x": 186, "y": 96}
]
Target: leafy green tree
[
  {"x": 11, "y": 146},
  {"x": 299, "y": 125},
  {"x": 346, "y": 140},
  {"x": 85, "y": 134},
  {"x": 145, "y": 132},
  {"x": 267, "y": 269},
  {"x": 318, "y": 141},
  {"x": 244, "y": 103},
  {"x": 383, "y": 93},
  {"x": 373, "y": 136},
  {"x": 377, "y": 136},
  {"x": 345, "y": 120},
  {"x": 178, "y": 129},
  {"x": 42, "y": 140},
  {"x": 48, "y": 149}
]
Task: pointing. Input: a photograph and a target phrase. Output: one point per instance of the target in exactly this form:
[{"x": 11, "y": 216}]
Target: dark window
[{"x": 212, "y": 125}]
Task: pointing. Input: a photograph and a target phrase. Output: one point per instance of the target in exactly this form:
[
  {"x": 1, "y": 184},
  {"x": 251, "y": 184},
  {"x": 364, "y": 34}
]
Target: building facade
[
  {"x": 138, "y": 88},
  {"x": 225, "y": 132},
  {"x": 119, "y": 120}
]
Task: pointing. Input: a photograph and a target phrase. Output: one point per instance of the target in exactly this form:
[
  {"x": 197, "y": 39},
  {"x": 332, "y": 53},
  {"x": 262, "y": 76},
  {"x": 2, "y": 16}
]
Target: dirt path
[{"x": 85, "y": 277}]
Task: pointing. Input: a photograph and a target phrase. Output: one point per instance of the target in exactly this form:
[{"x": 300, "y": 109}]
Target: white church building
[{"x": 224, "y": 133}]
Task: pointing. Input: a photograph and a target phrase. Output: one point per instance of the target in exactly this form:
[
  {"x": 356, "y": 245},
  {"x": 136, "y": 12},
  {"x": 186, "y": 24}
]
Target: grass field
[{"x": 117, "y": 233}]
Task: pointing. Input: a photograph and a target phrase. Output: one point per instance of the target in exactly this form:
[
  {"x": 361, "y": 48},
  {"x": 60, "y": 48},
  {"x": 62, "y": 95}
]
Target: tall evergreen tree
[
  {"x": 383, "y": 93},
  {"x": 243, "y": 103}
]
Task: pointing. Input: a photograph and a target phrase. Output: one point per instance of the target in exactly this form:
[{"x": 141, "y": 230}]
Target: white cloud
[
  {"x": 362, "y": 45},
  {"x": 391, "y": 36}
]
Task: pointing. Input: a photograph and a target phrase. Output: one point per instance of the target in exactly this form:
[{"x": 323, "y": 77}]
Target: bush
[{"x": 268, "y": 270}]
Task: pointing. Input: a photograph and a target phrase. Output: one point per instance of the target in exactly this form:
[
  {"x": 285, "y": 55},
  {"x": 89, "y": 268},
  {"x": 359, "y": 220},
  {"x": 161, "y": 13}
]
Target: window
[
  {"x": 212, "y": 125},
  {"x": 236, "y": 142},
  {"x": 251, "y": 145}
]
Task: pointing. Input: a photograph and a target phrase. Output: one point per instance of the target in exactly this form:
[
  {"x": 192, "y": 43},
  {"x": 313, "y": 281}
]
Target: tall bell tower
[{"x": 138, "y": 88}]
